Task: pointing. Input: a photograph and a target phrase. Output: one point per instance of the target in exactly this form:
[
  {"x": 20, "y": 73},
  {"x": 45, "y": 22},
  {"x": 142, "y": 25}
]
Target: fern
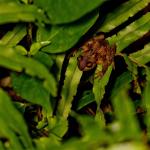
[
  {"x": 47, "y": 101},
  {"x": 132, "y": 32},
  {"x": 122, "y": 14}
]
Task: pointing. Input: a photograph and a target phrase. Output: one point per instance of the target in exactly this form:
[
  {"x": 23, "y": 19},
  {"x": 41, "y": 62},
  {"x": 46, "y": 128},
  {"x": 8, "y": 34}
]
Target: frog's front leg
[{"x": 101, "y": 70}]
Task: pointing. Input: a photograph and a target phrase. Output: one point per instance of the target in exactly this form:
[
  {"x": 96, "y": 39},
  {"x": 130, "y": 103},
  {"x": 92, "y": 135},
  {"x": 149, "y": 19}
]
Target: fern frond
[
  {"x": 122, "y": 13},
  {"x": 142, "y": 56},
  {"x": 131, "y": 33}
]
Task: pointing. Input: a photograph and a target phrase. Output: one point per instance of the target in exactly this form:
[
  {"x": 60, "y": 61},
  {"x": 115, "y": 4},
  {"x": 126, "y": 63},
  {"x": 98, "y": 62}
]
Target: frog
[{"x": 96, "y": 51}]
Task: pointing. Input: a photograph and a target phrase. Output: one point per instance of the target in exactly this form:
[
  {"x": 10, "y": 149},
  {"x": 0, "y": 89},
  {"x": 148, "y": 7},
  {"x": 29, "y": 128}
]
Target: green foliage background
[{"x": 44, "y": 73}]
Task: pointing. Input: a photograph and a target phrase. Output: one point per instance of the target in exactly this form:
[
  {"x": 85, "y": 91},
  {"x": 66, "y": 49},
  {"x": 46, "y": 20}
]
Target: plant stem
[
  {"x": 61, "y": 81},
  {"x": 29, "y": 31}
]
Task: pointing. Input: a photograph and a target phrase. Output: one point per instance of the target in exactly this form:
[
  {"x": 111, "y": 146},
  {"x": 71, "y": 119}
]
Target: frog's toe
[{"x": 99, "y": 74}]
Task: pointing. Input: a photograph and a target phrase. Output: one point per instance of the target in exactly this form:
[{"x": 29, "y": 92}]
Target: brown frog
[{"x": 96, "y": 51}]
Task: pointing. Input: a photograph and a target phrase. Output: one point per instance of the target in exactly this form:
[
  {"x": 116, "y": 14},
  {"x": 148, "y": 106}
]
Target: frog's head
[{"x": 86, "y": 63}]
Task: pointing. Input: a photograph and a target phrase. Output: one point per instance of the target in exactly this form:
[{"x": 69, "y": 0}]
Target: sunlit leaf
[
  {"x": 132, "y": 67},
  {"x": 128, "y": 145},
  {"x": 147, "y": 69},
  {"x": 58, "y": 126},
  {"x": 13, "y": 141},
  {"x": 122, "y": 13},
  {"x": 46, "y": 143},
  {"x": 124, "y": 110},
  {"x": 15, "y": 12},
  {"x": 122, "y": 80},
  {"x": 1, "y": 146},
  {"x": 63, "y": 37},
  {"x": 67, "y": 11},
  {"x": 99, "y": 91},
  {"x": 21, "y": 50},
  {"x": 13, "y": 37},
  {"x": 86, "y": 99},
  {"x": 15, "y": 124},
  {"x": 44, "y": 58},
  {"x": 12, "y": 60},
  {"x": 73, "y": 75},
  {"x": 24, "y": 1},
  {"x": 6, "y": 1},
  {"x": 91, "y": 130},
  {"x": 35, "y": 47},
  {"x": 141, "y": 57},
  {"x": 99, "y": 85},
  {"x": 131, "y": 33},
  {"x": 32, "y": 90},
  {"x": 146, "y": 103}
]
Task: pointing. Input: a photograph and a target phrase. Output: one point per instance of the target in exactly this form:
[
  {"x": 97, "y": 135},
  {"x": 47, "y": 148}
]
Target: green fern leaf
[
  {"x": 13, "y": 37},
  {"x": 73, "y": 75},
  {"x": 15, "y": 12},
  {"x": 12, "y": 123},
  {"x": 12, "y": 60},
  {"x": 141, "y": 57},
  {"x": 61, "y": 12},
  {"x": 131, "y": 33},
  {"x": 63, "y": 37},
  {"x": 128, "y": 127},
  {"x": 122, "y": 13}
]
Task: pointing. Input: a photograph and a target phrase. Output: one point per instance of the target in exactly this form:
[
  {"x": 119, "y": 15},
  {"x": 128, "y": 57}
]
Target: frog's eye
[{"x": 89, "y": 64}]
